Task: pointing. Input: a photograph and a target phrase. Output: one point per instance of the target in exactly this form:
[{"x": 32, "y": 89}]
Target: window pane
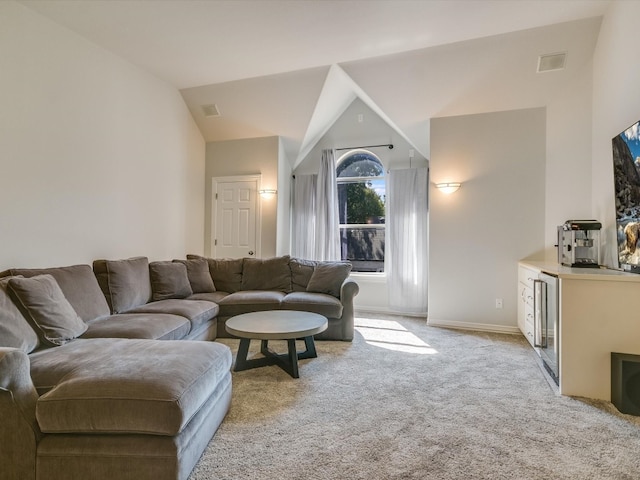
[
  {"x": 361, "y": 199},
  {"x": 361, "y": 202},
  {"x": 363, "y": 247},
  {"x": 360, "y": 165}
]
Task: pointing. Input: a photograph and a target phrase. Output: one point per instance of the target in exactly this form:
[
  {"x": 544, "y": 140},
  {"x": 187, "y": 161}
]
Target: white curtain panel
[
  {"x": 407, "y": 239},
  {"x": 304, "y": 216},
  {"x": 327, "y": 220}
]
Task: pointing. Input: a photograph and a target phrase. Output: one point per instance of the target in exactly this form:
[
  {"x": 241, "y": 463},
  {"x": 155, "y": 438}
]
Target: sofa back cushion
[
  {"x": 42, "y": 302},
  {"x": 301, "y": 271},
  {"x": 126, "y": 284},
  {"x": 169, "y": 280},
  {"x": 328, "y": 277},
  {"x": 15, "y": 331},
  {"x": 79, "y": 286},
  {"x": 268, "y": 274},
  {"x": 225, "y": 272},
  {"x": 199, "y": 275}
]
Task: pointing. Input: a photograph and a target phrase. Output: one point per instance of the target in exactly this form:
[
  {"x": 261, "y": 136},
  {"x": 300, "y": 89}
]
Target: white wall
[
  {"x": 349, "y": 131},
  {"x": 283, "y": 214},
  {"x": 490, "y": 75},
  {"x": 568, "y": 172},
  {"x": 478, "y": 234},
  {"x": 97, "y": 157},
  {"x": 252, "y": 156},
  {"x": 616, "y": 105}
]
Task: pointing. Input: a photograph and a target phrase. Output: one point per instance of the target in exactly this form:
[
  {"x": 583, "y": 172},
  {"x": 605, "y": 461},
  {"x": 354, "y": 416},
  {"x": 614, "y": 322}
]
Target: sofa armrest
[
  {"x": 15, "y": 379},
  {"x": 348, "y": 291},
  {"x": 19, "y": 432}
]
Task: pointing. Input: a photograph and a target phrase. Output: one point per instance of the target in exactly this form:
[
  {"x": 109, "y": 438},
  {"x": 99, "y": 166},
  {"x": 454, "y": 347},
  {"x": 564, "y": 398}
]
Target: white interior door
[{"x": 234, "y": 231}]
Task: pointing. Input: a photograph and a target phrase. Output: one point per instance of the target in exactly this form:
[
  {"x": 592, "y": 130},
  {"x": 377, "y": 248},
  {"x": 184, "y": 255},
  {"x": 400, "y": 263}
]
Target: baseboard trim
[
  {"x": 383, "y": 310},
  {"x": 480, "y": 327},
  {"x": 434, "y": 322}
]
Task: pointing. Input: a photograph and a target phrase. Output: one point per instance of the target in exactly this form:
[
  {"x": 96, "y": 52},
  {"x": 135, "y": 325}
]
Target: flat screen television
[{"x": 626, "y": 177}]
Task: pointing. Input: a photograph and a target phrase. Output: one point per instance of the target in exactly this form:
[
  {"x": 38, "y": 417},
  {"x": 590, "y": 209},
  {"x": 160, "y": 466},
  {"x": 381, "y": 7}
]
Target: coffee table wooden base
[
  {"x": 287, "y": 361},
  {"x": 286, "y": 325}
]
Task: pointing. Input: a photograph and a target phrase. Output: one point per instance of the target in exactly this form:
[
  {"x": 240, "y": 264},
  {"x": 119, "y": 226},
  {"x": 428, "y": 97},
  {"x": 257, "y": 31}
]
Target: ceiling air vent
[
  {"x": 211, "y": 110},
  {"x": 551, "y": 62}
]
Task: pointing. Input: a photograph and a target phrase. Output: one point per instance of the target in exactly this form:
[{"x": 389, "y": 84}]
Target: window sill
[{"x": 371, "y": 277}]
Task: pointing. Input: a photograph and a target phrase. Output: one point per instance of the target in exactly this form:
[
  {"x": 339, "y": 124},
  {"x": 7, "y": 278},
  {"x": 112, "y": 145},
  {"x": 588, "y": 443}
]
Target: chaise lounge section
[
  {"x": 76, "y": 407},
  {"x": 126, "y": 409}
]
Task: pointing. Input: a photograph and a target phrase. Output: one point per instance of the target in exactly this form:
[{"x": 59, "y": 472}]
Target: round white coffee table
[{"x": 276, "y": 325}]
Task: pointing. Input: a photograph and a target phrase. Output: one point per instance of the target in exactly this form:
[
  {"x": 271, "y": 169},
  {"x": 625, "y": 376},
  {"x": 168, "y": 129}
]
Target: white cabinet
[
  {"x": 597, "y": 315},
  {"x": 525, "y": 301}
]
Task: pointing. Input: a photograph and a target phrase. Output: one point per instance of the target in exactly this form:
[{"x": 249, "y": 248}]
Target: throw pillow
[
  {"x": 199, "y": 275},
  {"x": 269, "y": 274},
  {"x": 328, "y": 278},
  {"x": 169, "y": 280},
  {"x": 15, "y": 331},
  {"x": 42, "y": 302},
  {"x": 301, "y": 271},
  {"x": 79, "y": 285}
]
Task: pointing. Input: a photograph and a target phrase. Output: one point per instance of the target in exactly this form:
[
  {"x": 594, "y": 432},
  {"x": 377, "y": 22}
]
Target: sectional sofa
[{"x": 103, "y": 369}]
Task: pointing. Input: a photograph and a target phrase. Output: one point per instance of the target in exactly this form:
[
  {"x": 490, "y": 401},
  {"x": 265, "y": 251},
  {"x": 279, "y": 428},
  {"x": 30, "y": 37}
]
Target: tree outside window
[{"x": 361, "y": 199}]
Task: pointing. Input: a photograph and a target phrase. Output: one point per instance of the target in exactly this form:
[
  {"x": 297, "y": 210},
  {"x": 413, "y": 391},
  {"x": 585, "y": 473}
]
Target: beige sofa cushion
[
  {"x": 268, "y": 274},
  {"x": 328, "y": 277},
  {"x": 169, "y": 280},
  {"x": 43, "y": 304},
  {"x": 102, "y": 396},
  {"x": 126, "y": 284},
  {"x": 199, "y": 275},
  {"x": 15, "y": 331}
]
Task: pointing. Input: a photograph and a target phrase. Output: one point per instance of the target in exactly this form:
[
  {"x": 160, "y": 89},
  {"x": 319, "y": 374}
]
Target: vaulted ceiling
[{"x": 291, "y": 68}]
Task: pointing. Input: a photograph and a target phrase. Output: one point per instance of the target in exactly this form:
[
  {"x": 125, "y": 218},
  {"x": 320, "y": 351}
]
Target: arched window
[{"x": 361, "y": 200}]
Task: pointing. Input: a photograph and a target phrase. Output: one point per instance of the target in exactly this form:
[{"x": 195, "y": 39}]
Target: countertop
[{"x": 601, "y": 274}]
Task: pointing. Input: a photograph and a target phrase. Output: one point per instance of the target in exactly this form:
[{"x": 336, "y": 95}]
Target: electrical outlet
[{"x": 498, "y": 303}]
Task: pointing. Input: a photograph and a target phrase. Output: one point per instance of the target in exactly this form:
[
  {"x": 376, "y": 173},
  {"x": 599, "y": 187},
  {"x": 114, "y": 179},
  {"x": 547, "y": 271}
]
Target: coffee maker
[{"x": 579, "y": 243}]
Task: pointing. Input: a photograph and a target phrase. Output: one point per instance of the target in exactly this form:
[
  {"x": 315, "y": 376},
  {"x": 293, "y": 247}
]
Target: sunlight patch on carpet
[{"x": 391, "y": 335}]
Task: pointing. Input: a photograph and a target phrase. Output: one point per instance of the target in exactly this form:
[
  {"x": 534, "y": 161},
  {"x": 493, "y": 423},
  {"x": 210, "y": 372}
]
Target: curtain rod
[{"x": 390, "y": 145}]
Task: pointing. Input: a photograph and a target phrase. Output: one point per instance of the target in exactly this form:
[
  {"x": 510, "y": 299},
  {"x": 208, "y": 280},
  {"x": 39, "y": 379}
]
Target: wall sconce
[
  {"x": 267, "y": 192},
  {"x": 448, "y": 187}
]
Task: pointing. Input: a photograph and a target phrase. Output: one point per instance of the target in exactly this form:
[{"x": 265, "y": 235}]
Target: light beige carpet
[{"x": 408, "y": 401}]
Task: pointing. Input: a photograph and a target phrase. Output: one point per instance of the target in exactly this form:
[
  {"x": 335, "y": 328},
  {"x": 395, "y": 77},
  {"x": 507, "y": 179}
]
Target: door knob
[{"x": 250, "y": 252}]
